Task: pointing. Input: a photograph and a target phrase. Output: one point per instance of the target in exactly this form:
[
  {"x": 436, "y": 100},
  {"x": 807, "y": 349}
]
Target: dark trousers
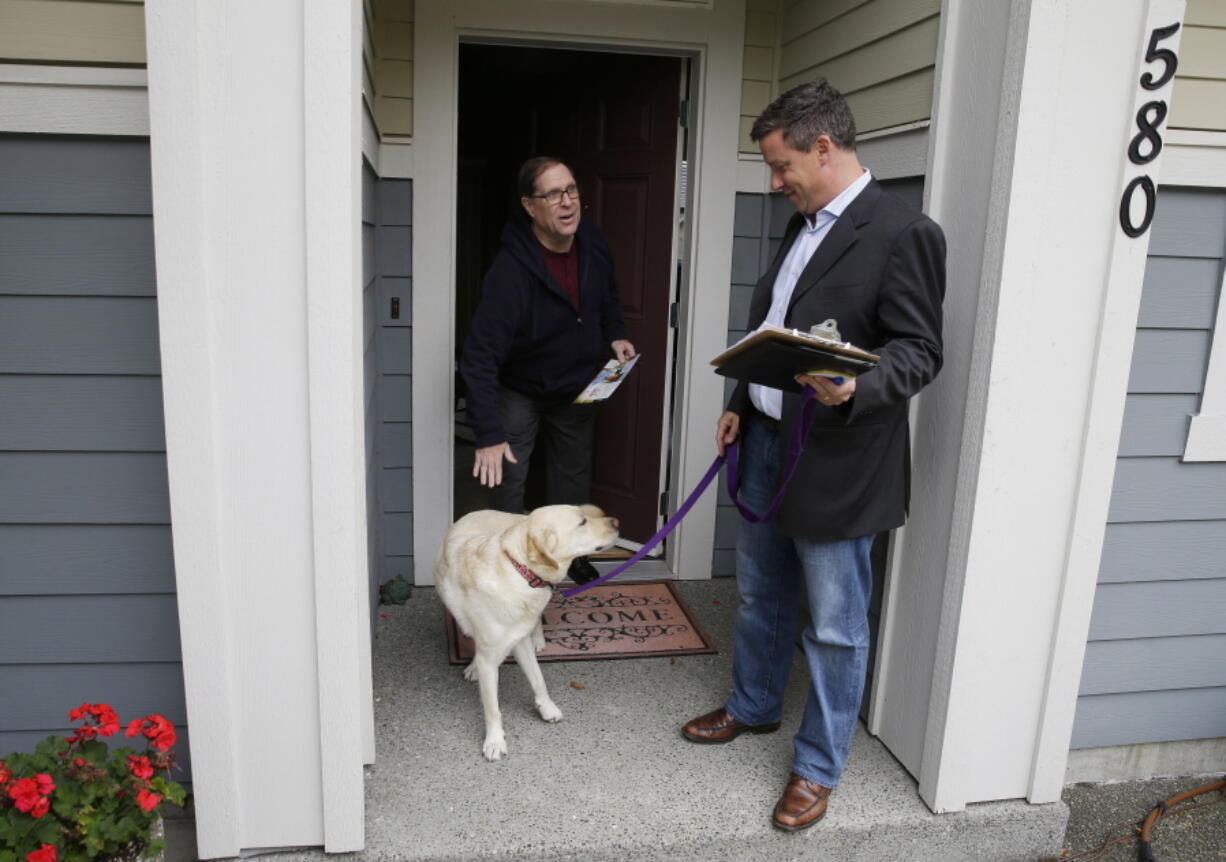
[{"x": 568, "y": 430}]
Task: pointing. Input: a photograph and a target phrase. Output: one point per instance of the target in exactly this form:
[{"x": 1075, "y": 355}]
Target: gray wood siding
[
  {"x": 370, "y": 376},
  {"x": 87, "y": 593},
  {"x": 392, "y": 271},
  {"x": 1155, "y": 665}
]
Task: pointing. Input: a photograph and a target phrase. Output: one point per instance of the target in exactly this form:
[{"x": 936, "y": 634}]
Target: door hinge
[
  {"x": 683, "y": 114},
  {"x": 672, "y": 315},
  {"x": 663, "y": 504}
]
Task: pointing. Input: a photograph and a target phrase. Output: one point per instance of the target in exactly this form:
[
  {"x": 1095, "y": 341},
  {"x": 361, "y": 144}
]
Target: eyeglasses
[{"x": 555, "y": 197}]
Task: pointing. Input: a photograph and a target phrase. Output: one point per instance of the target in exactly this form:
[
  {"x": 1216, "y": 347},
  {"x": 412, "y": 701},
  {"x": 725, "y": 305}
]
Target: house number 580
[{"x": 1147, "y": 143}]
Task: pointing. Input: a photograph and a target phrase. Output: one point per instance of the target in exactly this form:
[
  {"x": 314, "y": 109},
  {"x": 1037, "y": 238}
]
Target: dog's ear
[{"x": 541, "y": 544}]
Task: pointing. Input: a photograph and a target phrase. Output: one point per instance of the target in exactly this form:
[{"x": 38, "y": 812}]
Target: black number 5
[{"x": 1166, "y": 55}]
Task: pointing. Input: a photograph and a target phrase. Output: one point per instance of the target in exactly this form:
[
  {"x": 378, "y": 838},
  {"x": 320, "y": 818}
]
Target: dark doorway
[{"x": 615, "y": 119}]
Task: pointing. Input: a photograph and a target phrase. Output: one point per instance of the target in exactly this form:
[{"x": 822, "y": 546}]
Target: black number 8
[
  {"x": 1149, "y": 132},
  {"x": 1166, "y": 55}
]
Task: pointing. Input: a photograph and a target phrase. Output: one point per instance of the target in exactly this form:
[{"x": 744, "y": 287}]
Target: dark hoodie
[{"x": 526, "y": 334}]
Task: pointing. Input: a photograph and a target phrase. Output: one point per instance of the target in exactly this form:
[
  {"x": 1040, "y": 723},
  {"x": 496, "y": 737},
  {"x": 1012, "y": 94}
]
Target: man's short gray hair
[{"x": 805, "y": 112}]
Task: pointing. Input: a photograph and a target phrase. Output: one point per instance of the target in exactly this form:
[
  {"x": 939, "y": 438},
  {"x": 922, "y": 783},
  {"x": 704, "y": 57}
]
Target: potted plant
[{"x": 76, "y": 798}]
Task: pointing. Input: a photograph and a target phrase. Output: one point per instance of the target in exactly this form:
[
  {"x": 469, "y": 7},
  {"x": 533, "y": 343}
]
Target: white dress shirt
[{"x": 812, "y": 232}]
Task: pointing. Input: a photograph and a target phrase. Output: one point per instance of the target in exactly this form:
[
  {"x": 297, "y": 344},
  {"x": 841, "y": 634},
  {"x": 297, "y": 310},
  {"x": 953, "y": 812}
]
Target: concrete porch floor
[{"x": 616, "y": 781}]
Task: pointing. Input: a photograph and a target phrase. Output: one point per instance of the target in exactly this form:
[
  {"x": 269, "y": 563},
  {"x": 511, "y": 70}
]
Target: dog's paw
[
  {"x": 538, "y": 641},
  {"x": 549, "y": 711},
  {"x": 470, "y": 672},
  {"x": 494, "y": 748}
]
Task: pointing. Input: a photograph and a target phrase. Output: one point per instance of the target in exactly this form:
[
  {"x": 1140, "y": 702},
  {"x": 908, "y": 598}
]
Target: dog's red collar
[{"x": 533, "y": 579}]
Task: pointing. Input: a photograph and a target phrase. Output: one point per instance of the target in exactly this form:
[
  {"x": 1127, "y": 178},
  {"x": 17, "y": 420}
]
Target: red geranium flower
[
  {"x": 29, "y": 795},
  {"x": 46, "y": 853},
  {"x": 159, "y": 731},
  {"x": 140, "y": 767},
  {"x": 5, "y": 775},
  {"x": 148, "y": 800},
  {"x": 103, "y": 721},
  {"x": 41, "y": 807}
]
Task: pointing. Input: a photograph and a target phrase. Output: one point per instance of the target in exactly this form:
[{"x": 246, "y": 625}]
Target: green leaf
[
  {"x": 51, "y": 746},
  {"x": 153, "y": 848},
  {"x": 47, "y": 831}
]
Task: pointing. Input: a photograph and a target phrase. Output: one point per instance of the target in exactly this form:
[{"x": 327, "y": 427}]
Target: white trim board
[
  {"x": 332, "y": 138},
  {"x": 73, "y": 100},
  {"x": 714, "y": 39},
  {"x": 1207, "y": 432},
  {"x": 1194, "y": 159}
]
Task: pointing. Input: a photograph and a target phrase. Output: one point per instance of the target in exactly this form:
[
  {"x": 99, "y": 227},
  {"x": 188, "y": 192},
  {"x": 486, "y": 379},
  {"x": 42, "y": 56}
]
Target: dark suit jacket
[{"x": 880, "y": 272}]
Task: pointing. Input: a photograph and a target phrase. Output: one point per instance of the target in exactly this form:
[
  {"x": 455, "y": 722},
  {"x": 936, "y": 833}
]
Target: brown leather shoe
[
  {"x": 802, "y": 804},
  {"x": 718, "y": 726}
]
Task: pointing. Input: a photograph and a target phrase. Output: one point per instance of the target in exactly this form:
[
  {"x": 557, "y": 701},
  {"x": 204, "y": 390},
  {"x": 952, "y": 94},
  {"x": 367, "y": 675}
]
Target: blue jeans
[{"x": 839, "y": 580}]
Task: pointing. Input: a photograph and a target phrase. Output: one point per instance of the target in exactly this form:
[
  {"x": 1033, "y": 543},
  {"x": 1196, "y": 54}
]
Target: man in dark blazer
[{"x": 855, "y": 254}]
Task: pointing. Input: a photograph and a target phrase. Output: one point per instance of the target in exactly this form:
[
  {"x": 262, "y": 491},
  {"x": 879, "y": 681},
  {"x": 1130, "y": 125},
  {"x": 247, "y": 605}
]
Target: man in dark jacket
[
  {"x": 855, "y": 254},
  {"x": 548, "y": 316}
]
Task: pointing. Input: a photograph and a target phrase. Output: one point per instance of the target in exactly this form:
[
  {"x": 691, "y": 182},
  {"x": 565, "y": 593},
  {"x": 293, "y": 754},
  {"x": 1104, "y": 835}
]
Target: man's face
[
  {"x": 554, "y": 223},
  {"x": 805, "y": 178}
]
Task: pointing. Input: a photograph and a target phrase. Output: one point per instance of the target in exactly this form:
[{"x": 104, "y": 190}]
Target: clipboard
[{"x": 773, "y": 356}]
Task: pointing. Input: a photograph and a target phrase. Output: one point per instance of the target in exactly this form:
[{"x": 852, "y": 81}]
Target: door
[
  {"x": 622, "y": 137},
  {"x": 614, "y": 118}
]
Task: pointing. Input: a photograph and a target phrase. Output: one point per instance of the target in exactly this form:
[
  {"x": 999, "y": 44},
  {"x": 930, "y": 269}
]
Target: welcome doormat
[{"x": 632, "y": 620}]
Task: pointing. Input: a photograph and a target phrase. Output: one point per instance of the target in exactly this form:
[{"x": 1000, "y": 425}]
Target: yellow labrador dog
[{"x": 494, "y": 573}]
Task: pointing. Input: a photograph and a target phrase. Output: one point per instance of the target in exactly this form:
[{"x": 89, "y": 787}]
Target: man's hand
[
  {"x": 487, "y": 465},
  {"x": 828, "y": 392},
  {"x": 726, "y": 430},
  {"x": 623, "y": 349}
]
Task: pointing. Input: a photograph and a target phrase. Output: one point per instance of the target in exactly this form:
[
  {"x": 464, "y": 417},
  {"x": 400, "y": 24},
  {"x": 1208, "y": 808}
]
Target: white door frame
[{"x": 714, "y": 38}]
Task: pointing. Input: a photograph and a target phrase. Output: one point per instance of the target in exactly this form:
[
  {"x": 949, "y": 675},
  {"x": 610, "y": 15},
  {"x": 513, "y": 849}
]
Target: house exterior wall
[
  {"x": 87, "y": 592},
  {"x": 394, "y": 390},
  {"x": 759, "y": 63},
  {"x": 1155, "y": 665},
  {"x": 388, "y": 55},
  {"x": 880, "y": 53},
  {"x": 73, "y": 31},
  {"x": 1199, "y": 98}
]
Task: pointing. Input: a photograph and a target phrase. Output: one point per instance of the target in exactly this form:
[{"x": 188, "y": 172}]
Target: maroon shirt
[{"x": 564, "y": 267}]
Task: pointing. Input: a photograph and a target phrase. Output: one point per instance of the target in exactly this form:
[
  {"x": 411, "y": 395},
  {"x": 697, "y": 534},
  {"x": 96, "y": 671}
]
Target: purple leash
[{"x": 800, "y": 429}]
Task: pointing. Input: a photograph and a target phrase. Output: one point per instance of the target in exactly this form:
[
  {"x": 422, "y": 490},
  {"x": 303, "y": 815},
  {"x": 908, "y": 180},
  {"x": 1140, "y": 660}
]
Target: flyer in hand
[
  {"x": 773, "y": 356},
  {"x": 606, "y": 380}
]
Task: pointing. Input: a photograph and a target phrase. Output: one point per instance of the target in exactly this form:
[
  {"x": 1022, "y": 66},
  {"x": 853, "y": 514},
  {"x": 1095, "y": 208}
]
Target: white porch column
[
  {"x": 1015, "y": 444},
  {"x": 255, "y": 157}
]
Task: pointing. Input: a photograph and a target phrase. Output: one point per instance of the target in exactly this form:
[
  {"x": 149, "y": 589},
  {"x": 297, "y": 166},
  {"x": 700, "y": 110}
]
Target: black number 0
[
  {"x": 1166, "y": 55},
  {"x": 1151, "y": 198}
]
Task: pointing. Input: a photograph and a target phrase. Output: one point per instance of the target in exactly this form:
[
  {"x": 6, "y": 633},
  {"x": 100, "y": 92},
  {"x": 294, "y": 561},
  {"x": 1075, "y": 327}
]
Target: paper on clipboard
[
  {"x": 773, "y": 356},
  {"x": 606, "y": 380}
]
